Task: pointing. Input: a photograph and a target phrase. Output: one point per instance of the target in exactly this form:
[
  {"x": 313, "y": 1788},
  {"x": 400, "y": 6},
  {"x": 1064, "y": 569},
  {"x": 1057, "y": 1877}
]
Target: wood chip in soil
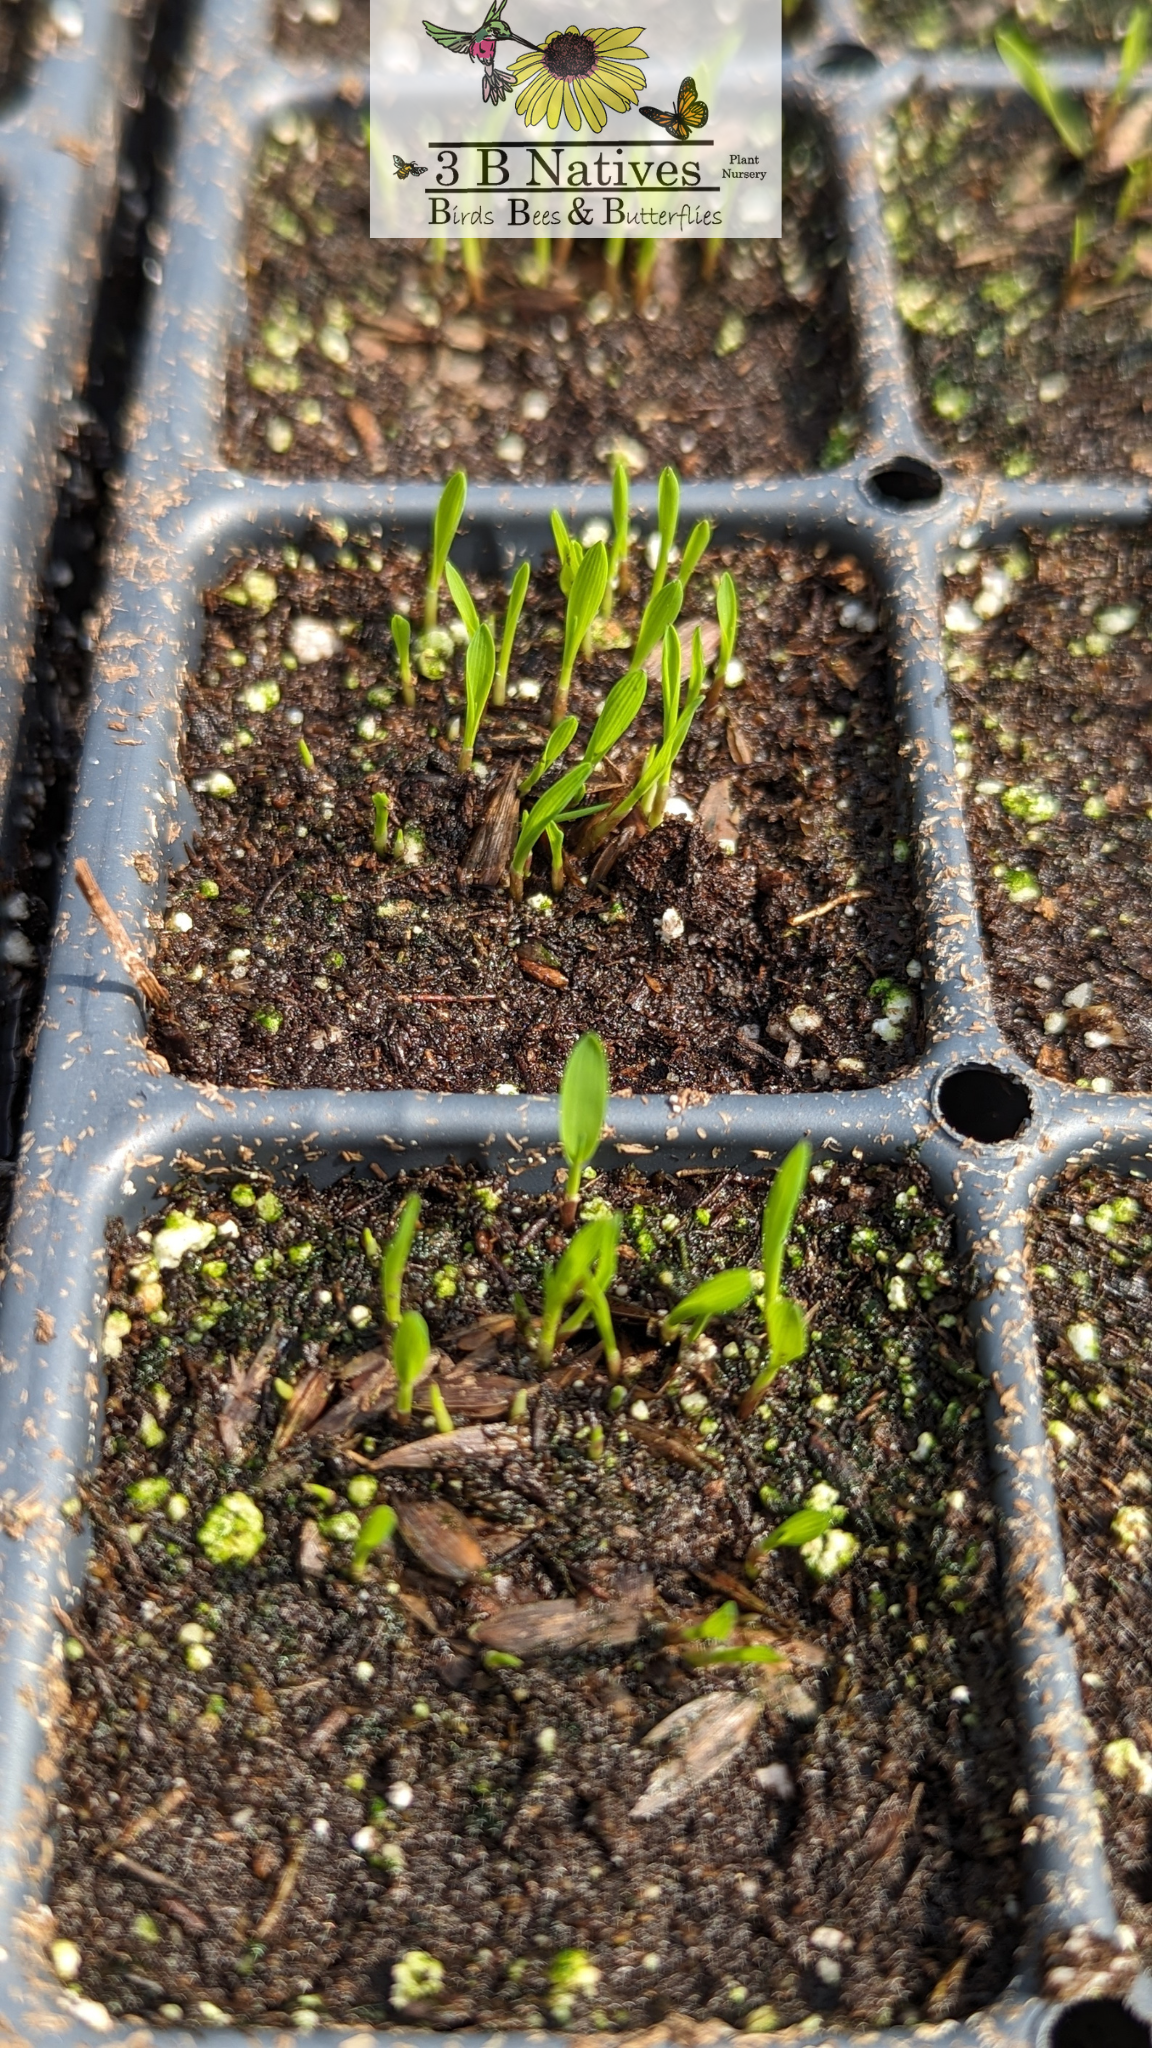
[
  {"x": 1091, "y": 1257},
  {"x": 364, "y": 358},
  {"x": 368, "y": 1740},
  {"x": 309, "y": 961},
  {"x": 1010, "y": 376},
  {"x": 1055, "y": 715}
]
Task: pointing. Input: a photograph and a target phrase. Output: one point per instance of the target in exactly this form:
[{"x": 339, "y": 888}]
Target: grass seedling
[
  {"x": 462, "y": 599},
  {"x": 583, "y": 605},
  {"x": 667, "y": 518},
  {"x": 376, "y": 1529},
  {"x": 722, "y": 1295},
  {"x": 583, "y": 1101},
  {"x": 1064, "y": 112},
  {"x": 557, "y": 743},
  {"x": 411, "y": 1348},
  {"x": 569, "y": 552},
  {"x": 395, "y": 1259},
  {"x": 472, "y": 257},
  {"x": 549, "y": 810},
  {"x": 784, "y": 1322},
  {"x": 613, "y": 258},
  {"x": 661, "y": 611},
  {"x": 710, "y": 256},
  {"x": 649, "y": 791},
  {"x": 402, "y": 642},
  {"x": 728, "y": 617},
  {"x": 618, "y": 553},
  {"x": 440, "y": 1416},
  {"x": 583, "y": 1273},
  {"x": 698, "y": 540},
  {"x": 479, "y": 669},
  {"x": 307, "y": 758},
  {"x": 381, "y": 806},
  {"x": 516, "y": 598},
  {"x": 445, "y": 526},
  {"x": 542, "y": 258}
]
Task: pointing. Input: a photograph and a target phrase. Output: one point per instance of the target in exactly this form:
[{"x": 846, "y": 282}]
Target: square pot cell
[
  {"x": 334, "y": 31},
  {"x": 449, "y": 1733},
  {"x": 1054, "y": 729},
  {"x": 763, "y": 938},
  {"x": 378, "y": 358},
  {"x": 1024, "y": 363},
  {"x": 1091, "y": 1252},
  {"x": 972, "y": 24}
]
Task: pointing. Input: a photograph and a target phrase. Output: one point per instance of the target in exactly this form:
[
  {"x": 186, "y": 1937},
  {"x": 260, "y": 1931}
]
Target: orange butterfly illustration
[{"x": 690, "y": 112}]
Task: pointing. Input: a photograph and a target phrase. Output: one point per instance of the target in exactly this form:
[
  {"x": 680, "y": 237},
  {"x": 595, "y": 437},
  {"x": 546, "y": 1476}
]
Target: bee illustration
[
  {"x": 404, "y": 170},
  {"x": 689, "y": 112}
]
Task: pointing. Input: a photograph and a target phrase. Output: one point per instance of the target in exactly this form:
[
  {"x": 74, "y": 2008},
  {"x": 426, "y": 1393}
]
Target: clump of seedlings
[
  {"x": 506, "y": 1630},
  {"x": 522, "y": 360},
  {"x": 647, "y": 790},
  {"x": 1022, "y": 233}
]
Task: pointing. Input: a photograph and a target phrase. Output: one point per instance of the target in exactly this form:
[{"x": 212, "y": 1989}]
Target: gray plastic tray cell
[{"x": 107, "y": 1125}]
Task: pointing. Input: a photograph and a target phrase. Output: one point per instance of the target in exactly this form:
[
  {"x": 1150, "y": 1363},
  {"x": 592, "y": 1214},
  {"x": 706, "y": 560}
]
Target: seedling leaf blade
[
  {"x": 396, "y": 1253},
  {"x": 1133, "y": 52},
  {"x": 620, "y": 707},
  {"x": 583, "y": 1102},
  {"x": 411, "y": 1346},
  {"x": 780, "y": 1213},
  {"x": 1065, "y": 113},
  {"x": 787, "y": 1330},
  {"x": 720, "y": 1296},
  {"x": 462, "y": 598},
  {"x": 803, "y": 1527},
  {"x": 661, "y": 611}
]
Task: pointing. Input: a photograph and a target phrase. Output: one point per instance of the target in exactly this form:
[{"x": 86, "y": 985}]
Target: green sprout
[
  {"x": 440, "y": 1416},
  {"x": 472, "y": 257},
  {"x": 807, "y": 1525},
  {"x": 376, "y": 1529},
  {"x": 558, "y": 742},
  {"x": 1027, "y": 66},
  {"x": 1085, "y": 131},
  {"x": 462, "y": 599},
  {"x": 722, "y": 1295},
  {"x": 445, "y": 525},
  {"x": 661, "y": 611},
  {"x": 569, "y": 552},
  {"x": 571, "y": 1975},
  {"x": 583, "y": 604},
  {"x": 715, "y": 1628},
  {"x": 233, "y": 1531},
  {"x": 728, "y": 618},
  {"x": 694, "y": 547},
  {"x": 479, "y": 669},
  {"x": 381, "y": 806},
  {"x": 402, "y": 642},
  {"x": 411, "y": 1348},
  {"x": 306, "y": 755},
  {"x": 584, "y": 1089},
  {"x": 515, "y": 606},
  {"x": 613, "y": 258},
  {"x": 395, "y": 1258},
  {"x": 618, "y": 711},
  {"x": 618, "y": 553},
  {"x": 583, "y": 1273},
  {"x": 650, "y": 789},
  {"x": 548, "y": 813},
  {"x": 784, "y": 1320},
  {"x": 667, "y": 518},
  {"x": 646, "y": 254}
]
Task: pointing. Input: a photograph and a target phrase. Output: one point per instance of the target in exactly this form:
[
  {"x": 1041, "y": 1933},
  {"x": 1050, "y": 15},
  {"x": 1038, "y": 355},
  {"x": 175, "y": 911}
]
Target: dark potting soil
[
  {"x": 1092, "y": 1263},
  {"x": 335, "y": 31},
  {"x": 306, "y": 959},
  {"x": 1055, "y": 737},
  {"x": 968, "y": 24},
  {"x": 981, "y": 206},
  {"x": 234, "y": 1728},
  {"x": 365, "y": 358},
  {"x": 19, "y": 21}
]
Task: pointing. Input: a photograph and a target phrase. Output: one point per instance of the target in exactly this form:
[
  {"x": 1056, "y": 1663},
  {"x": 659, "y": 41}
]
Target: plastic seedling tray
[
  {"x": 59, "y": 132},
  {"x": 106, "y": 1127}
]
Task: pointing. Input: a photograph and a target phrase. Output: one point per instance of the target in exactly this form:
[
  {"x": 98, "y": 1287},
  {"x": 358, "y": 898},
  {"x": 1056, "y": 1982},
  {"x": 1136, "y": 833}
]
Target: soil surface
[
  {"x": 1092, "y": 1262},
  {"x": 366, "y": 358},
  {"x": 307, "y": 960},
  {"x": 1020, "y": 367},
  {"x": 1054, "y": 715},
  {"x": 858, "y": 1854},
  {"x": 972, "y": 24},
  {"x": 335, "y": 31}
]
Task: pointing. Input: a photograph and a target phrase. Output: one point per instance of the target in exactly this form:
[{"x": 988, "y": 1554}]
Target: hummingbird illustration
[{"x": 479, "y": 45}]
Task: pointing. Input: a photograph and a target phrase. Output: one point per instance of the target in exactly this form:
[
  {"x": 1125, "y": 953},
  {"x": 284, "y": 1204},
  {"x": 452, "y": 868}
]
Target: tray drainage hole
[
  {"x": 1099, "y": 2023},
  {"x": 985, "y": 1104},
  {"x": 847, "y": 60},
  {"x": 906, "y": 481}
]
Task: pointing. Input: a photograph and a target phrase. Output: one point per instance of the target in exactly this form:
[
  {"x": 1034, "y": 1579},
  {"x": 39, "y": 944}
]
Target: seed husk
[
  {"x": 441, "y": 1538},
  {"x": 309, "y": 1396},
  {"x": 482, "y": 1440},
  {"x": 543, "y": 1628},
  {"x": 707, "y": 1734}
]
